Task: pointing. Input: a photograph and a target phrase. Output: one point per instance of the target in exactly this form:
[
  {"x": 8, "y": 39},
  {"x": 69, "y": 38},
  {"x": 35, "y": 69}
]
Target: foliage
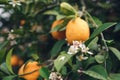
[{"x": 25, "y": 27}]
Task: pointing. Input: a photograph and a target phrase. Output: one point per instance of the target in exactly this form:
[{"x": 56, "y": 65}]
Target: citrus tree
[{"x": 59, "y": 40}]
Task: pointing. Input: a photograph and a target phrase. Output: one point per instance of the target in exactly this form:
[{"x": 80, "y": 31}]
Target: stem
[
  {"x": 104, "y": 42},
  {"x": 28, "y": 73},
  {"x": 47, "y": 8},
  {"x": 83, "y": 5},
  {"x": 101, "y": 34}
]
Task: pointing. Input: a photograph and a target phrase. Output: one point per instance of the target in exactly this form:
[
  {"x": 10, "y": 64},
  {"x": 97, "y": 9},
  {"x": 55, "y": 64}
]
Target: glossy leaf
[
  {"x": 8, "y": 59},
  {"x": 93, "y": 43},
  {"x": 115, "y": 51},
  {"x": 101, "y": 28},
  {"x": 57, "y": 47},
  {"x": 100, "y": 58},
  {"x": 2, "y": 45},
  {"x": 94, "y": 75},
  {"x": 44, "y": 72},
  {"x": 9, "y": 77},
  {"x": 62, "y": 60},
  {"x": 97, "y": 21},
  {"x": 97, "y": 72},
  {"x": 67, "y": 9},
  {"x": 2, "y": 53},
  {"x": 114, "y": 76}
]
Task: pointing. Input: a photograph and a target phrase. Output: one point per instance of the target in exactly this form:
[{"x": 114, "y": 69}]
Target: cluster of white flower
[
  {"x": 15, "y": 2},
  {"x": 79, "y": 46},
  {"x": 55, "y": 76}
]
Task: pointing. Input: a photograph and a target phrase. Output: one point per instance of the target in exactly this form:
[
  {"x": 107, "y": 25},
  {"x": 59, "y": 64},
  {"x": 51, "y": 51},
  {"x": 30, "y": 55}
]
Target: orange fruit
[
  {"x": 77, "y": 30},
  {"x": 20, "y": 62},
  {"x": 57, "y": 34},
  {"x": 16, "y": 60},
  {"x": 22, "y": 22},
  {"x": 31, "y": 70}
]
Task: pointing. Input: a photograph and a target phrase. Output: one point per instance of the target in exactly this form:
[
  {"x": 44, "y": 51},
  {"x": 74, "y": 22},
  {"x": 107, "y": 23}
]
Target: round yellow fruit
[
  {"x": 31, "y": 70},
  {"x": 57, "y": 34},
  {"x": 16, "y": 60},
  {"x": 77, "y": 30}
]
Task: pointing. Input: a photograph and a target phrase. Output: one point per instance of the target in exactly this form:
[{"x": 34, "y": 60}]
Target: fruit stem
[{"x": 28, "y": 73}]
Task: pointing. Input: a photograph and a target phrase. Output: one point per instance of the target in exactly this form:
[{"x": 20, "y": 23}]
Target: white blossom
[
  {"x": 82, "y": 57},
  {"x": 55, "y": 76},
  {"x": 79, "y": 46},
  {"x": 73, "y": 50},
  {"x": 84, "y": 49},
  {"x": 13, "y": 42},
  {"x": 1, "y": 39},
  {"x": 11, "y": 36},
  {"x": 15, "y": 2}
]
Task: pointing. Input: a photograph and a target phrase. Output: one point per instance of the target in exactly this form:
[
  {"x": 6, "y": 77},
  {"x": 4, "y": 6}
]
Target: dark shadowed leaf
[
  {"x": 2, "y": 45},
  {"x": 101, "y": 28},
  {"x": 2, "y": 53},
  {"x": 115, "y": 51},
  {"x": 44, "y": 72},
  {"x": 97, "y": 72},
  {"x": 57, "y": 47}
]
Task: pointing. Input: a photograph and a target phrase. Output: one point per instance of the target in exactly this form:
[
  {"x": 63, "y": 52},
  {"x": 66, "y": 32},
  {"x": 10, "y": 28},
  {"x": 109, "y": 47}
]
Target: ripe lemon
[
  {"x": 57, "y": 35},
  {"x": 77, "y": 30},
  {"x": 16, "y": 60},
  {"x": 31, "y": 71}
]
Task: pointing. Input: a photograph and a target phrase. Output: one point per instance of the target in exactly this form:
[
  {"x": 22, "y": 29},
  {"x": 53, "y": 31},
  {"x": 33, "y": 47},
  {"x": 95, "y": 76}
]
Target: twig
[
  {"x": 101, "y": 34},
  {"x": 28, "y": 73},
  {"x": 47, "y": 8}
]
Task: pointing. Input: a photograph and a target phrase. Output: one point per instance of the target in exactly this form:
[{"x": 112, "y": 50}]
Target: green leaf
[
  {"x": 56, "y": 28},
  {"x": 2, "y": 45},
  {"x": 2, "y": 53},
  {"x": 57, "y": 47},
  {"x": 99, "y": 69},
  {"x": 58, "y": 17},
  {"x": 117, "y": 27},
  {"x": 94, "y": 75},
  {"x": 56, "y": 13},
  {"x": 115, "y": 76},
  {"x": 97, "y": 72},
  {"x": 97, "y": 21},
  {"x": 3, "y": 1},
  {"x": 34, "y": 56},
  {"x": 62, "y": 60},
  {"x": 9, "y": 77},
  {"x": 101, "y": 28},
  {"x": 44, "y": 72},
  {"x": 100, "y": 58},
  {"x": 115, "y": 51},
  {"x": 4, "y": 68},
  {"x": 67, "y": 9},
  {"x": 51, "y": 12},
  {"x": 64, "y": 70},
  {"x": 62, "y": 26},
  {"x": 8, "y": 59},
  {"x": 88, "y": 62},
  {"x": 93, "y": 43}
]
